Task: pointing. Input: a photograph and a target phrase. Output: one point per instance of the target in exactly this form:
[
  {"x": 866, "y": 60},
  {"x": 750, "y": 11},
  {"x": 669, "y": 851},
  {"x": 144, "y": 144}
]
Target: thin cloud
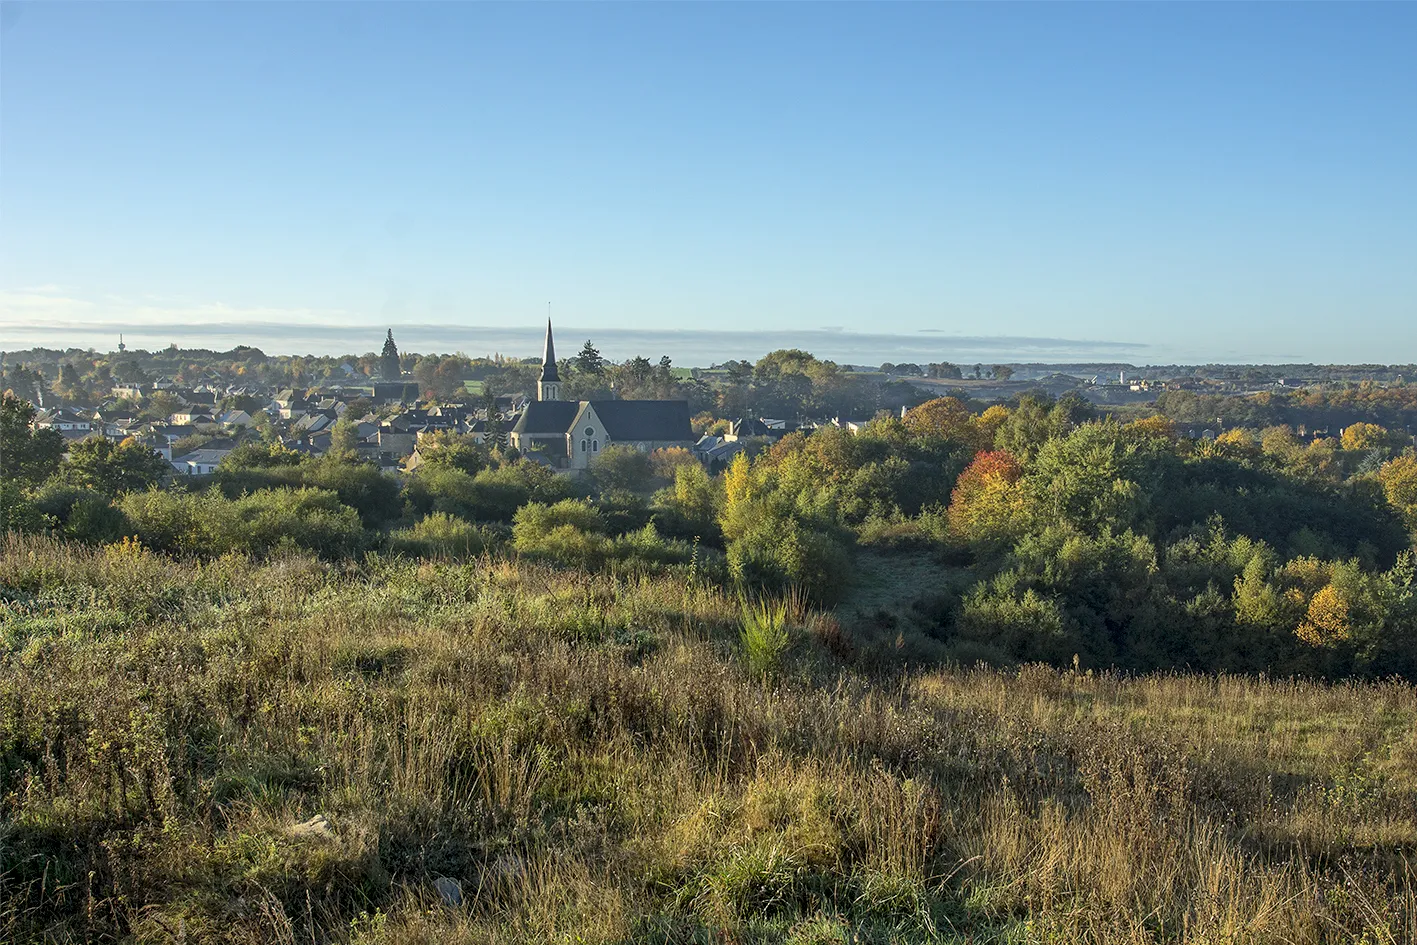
[{"x": 38, "y": 317}]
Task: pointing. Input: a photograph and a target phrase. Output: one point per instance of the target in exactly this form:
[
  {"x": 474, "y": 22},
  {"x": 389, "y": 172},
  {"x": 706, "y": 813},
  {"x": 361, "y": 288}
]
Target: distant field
[{"x": 472, "y": 387}]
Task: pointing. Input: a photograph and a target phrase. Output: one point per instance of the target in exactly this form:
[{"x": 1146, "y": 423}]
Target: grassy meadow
[{"x": 296, "y": 751}]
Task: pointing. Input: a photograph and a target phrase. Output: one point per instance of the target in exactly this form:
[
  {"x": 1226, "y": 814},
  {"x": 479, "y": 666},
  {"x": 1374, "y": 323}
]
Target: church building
[{"x": 571, "y": 433}]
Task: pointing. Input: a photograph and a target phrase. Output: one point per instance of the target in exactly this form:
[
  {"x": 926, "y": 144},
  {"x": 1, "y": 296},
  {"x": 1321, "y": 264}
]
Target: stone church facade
[{"x": 570, "y": 434}]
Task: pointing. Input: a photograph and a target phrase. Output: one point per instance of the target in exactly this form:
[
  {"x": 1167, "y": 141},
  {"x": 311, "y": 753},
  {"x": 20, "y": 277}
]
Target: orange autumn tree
[{"x": 984, "y": 505}]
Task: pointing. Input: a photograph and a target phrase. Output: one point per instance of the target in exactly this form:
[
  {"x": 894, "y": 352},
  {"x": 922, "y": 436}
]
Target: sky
[{"x": 1152, "y": 183}]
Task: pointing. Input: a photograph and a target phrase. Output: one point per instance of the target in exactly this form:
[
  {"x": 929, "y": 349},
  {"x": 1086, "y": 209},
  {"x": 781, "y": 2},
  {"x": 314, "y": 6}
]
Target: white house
[{"x": 202, "y": 462}]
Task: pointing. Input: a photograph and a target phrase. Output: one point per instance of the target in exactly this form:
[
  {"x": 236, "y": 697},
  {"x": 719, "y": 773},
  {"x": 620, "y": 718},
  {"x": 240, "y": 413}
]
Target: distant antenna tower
[{"x": 121, "y": 345}]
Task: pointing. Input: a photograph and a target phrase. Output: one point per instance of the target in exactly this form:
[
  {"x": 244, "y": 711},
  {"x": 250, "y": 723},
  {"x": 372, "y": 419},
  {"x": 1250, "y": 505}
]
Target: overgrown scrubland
[{"x": 291, "y": 750}]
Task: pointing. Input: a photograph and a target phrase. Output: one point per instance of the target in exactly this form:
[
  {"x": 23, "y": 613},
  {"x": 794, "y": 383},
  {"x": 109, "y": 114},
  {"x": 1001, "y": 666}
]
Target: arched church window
[{"x": 595, "y": 446}]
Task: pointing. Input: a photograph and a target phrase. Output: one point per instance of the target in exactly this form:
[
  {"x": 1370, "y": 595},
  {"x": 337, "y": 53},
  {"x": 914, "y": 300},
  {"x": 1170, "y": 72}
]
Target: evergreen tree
[
  {"x": 26, "y": 384},
  {"x": 589, "y": 360},
  {"x": 389, "y": 368},
  {"x": 71, "y": 386}
]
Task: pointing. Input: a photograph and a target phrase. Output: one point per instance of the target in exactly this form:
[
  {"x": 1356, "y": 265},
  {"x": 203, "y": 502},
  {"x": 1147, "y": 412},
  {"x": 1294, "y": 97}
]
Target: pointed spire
[{"x": 548, "y": 357}]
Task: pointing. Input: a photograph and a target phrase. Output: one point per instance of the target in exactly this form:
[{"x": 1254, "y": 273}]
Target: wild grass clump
[{"x": 764, "y": 634}]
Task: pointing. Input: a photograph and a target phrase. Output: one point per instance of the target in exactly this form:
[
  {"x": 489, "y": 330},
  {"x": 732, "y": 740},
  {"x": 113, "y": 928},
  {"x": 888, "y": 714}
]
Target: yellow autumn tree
[
  {"x": 1326, "y": 623},
  {"x": 1159, "y": 426},
  {"x": 1399, "y": 479},
  {"x": 1365, "y": 436},
  {"x": 950, "y": 418}
]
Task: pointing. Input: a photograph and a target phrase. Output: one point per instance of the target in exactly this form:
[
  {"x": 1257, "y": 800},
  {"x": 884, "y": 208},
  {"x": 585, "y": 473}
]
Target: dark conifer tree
[{"x": 389, "y": 368}]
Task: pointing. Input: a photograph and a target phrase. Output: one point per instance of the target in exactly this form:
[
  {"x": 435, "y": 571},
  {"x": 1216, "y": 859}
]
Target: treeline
[
  {"x": 1067, "y": 536},
  {"x": 1318, "y": 408}
]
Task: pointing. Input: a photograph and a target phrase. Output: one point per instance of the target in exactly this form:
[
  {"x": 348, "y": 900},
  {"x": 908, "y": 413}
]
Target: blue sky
[{"x": 1139, "y": 182}]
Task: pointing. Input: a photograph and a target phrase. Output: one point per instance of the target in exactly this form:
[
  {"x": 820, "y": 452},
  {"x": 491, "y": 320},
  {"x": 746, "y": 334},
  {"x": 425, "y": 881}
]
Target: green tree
[
  {"x": 71, "y": 385},
  {"x": 945, "y": 370},
  {"x": 389, "y": 368},
  {"x": 454, "y": 451},
  {"x": 621, "y": 467},
  {"x": 589, "y": 360},
  {"x": 25, "y": 383},
  {"x": 1399, "y": 481},
  {"x": 98, "y": 464},
  {"x": 27, "y": 455},
  {"x": 344, "y": 442}
]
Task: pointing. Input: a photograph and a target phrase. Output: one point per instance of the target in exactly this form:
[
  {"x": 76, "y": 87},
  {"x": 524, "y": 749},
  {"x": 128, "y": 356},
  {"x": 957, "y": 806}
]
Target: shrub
[
  {"x": 570, "y": 531},
  {"x": 649, "y": 549},
  {"x": 689, "y": 509},
  {"x": 209, "y": 525},
  {"x": 621, "y": 467},
  {"x": 78, "y": 512},
  {"x": 18, "y": 511},
  {"x": 99, "y": 464},
  {"x": 360, "y": 486},
  {"x": 440, "y": 535},
  {"x": 779, "y": 553},
  {"x": 1022, "y": 625},
  {"x": 667, "y": 462},
  {"x": 93, "y": 519},
  {"x": 443, "y": 489}
]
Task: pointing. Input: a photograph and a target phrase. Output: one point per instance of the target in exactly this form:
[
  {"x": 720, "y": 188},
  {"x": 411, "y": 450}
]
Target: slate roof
[
  {"x": 548, "y": 358},
  {"x": 202, "y": 457},
  {"x": 547, "y": 416},
  {"x": 645, "y": 419},
  {"x": 749, "y": 426}
]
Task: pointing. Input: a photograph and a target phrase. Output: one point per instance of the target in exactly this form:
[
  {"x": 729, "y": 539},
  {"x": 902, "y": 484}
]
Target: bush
[
  {"x": 94, "y": 519},
  {"x": 570, "y": 531},
  {"x": 780, "y": 553},
  {"x": 648, "y": 549},
  {"x": 360, "y": 486},
  {"x": 621, "y": 468},
  {"x": 98, "y": 464},
  {"x": 18, "y": 511},
  {"x": 207, "y": 524},
  {"x": 689, "y": 509},
  {"x": 78, "y": 512},
  {"x": 261, "y": 456},
  {"x": 440, "y": 535}
]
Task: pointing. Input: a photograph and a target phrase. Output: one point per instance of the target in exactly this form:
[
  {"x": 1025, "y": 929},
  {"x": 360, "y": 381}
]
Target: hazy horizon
[{"x": 686, "y": 347}]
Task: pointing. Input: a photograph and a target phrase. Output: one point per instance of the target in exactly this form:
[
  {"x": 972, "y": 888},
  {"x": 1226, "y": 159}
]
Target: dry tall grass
[{"x": 593, "y": 760}]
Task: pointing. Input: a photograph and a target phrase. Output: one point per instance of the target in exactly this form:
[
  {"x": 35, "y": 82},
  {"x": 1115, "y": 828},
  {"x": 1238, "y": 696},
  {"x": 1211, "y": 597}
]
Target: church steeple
[{"x": 549, "y": 385}]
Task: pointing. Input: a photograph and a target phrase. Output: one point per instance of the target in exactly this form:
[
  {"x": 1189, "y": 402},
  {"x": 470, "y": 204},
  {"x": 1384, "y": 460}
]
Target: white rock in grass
[
  {"x": 317, "y": 826},
  {"x": 449, "y": 889}
]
